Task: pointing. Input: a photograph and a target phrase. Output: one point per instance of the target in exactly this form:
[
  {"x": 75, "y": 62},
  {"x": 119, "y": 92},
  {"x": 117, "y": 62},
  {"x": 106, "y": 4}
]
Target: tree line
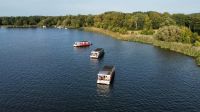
[{"x": 113, "y": 21}]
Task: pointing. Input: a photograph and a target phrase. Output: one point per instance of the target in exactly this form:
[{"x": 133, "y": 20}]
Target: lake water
[{"x": 41, "y": 71}]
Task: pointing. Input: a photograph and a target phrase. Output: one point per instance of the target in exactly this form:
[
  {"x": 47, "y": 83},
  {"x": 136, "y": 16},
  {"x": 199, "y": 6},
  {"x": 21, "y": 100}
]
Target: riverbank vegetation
[
  {"x": 173, "y": 44},
  {"x": 177, "y": 32}
]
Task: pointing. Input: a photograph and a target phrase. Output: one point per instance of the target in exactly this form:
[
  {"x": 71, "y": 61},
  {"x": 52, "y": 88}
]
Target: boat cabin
[
  {"x": 97, "y": 53},
  {"x": 82, "y": 44},
  {"x": 106, "y": 75}
]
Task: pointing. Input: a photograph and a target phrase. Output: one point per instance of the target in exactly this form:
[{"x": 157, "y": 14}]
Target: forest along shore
[{"x": 187, "y": 49}]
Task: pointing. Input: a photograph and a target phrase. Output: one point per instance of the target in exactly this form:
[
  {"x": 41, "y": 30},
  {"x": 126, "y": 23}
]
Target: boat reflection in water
[
  {"x": 104, "y": 90},
  {"x": 81, "y": 49},
  {"x": 94, "y": 61}
]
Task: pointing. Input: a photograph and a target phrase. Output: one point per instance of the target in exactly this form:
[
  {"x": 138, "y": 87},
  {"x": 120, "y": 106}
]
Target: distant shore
[
  {"x": 35, "y": 26},
  {"x": 14, "y": 26},
  {"x": 186, "y": 49}
]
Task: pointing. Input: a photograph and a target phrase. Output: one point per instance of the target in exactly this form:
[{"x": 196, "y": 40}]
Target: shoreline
[
  {"x": 186, "y": 49},
  {"x": 14, "y": 26},
  {"x": 35, "y": 26}
]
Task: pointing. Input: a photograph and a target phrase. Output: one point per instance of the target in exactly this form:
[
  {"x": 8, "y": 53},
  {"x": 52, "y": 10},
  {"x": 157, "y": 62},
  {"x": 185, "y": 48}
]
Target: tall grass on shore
[{"x": 186, "y": 49}]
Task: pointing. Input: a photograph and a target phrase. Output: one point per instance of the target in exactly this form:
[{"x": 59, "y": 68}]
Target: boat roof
[
  {"x": 102, "y": 73},
  {"x": 106, "y": 70},
  {"x": 84, "y": 41},
  {"x": 98, "y": 49}
]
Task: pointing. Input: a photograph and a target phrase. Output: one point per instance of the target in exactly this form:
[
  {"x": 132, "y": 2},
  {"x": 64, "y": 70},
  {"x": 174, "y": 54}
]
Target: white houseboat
[
  {"x": 44, "y": 26},
  {"x": 106, "y": 75},
  {"x": 97, "y": 53}
]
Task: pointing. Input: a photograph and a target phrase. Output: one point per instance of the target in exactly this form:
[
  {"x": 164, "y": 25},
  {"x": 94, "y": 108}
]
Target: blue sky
[{"x": 65, "y": 7}]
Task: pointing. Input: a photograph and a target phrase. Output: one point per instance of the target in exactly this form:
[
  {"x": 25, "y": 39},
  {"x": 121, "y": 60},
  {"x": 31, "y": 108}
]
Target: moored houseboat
[
  {"x": 82, "y": 44},
  {"x": 97, "y": 53},
  {"x": 106, "y": 75}
]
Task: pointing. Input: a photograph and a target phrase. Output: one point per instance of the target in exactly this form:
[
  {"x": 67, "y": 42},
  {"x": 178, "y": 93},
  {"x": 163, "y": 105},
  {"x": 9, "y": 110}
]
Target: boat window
[{"x": 101, "y": 78}]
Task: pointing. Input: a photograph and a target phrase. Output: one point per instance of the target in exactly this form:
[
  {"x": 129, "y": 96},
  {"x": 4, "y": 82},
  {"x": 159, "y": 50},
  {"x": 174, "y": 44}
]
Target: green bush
[
  {"x": 123, "y": 30},
  {"x": 147, "y": 32},
  {"x": 110, "y": 28},
  {"x": 168, "y": 33},
  {"x": 186, "y": 35},
  {"x": 195, "y": 37},
  {"x": 115, "y": 29},
  {"x": 197, "y": 43},
  {"x": 174, "y": 34}
]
